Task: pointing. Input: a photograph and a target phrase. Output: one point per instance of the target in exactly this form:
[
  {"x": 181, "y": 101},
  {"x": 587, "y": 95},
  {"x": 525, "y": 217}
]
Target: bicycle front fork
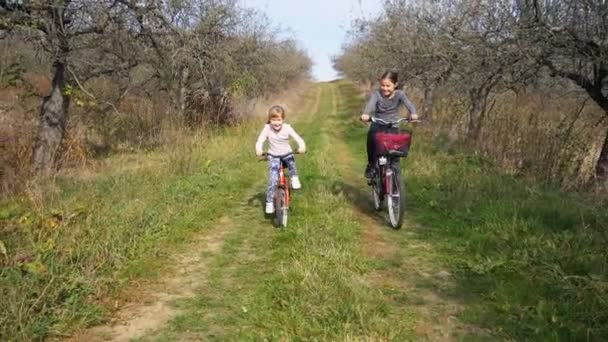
[{"x": 388, "y": 176}]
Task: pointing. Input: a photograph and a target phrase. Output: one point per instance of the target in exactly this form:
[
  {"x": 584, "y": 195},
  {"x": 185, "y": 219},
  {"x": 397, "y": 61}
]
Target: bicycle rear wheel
[
  {"x": 395, "y": 200},
  {"x": 280, "y": 208}
]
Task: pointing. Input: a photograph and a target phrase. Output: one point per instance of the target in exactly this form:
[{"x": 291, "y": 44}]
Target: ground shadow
[
  {"x": 359, "y": 196},
  {"x": 258, "y": 199}
]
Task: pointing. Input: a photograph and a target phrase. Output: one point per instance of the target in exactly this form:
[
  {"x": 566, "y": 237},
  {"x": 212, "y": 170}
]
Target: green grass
[{"x": 532, "y": 262}]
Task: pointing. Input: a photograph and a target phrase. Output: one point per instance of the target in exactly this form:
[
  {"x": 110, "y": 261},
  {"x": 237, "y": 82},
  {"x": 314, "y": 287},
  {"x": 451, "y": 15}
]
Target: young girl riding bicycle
[
  {"x": 384, "y": 104},
  {"x": 277, "y": 132}
]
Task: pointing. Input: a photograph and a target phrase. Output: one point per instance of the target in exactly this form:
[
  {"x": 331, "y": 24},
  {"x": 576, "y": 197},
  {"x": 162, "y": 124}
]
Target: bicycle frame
[
  {"x": 284, "y": 184},
  {"x": 384, "y": 170},
  {"x": 282, "y": 193}
]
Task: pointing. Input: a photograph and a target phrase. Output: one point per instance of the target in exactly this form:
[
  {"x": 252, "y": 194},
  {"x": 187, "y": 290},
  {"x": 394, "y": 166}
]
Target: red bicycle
[
  {"x": 387, "y": 185},
  {"x": 282, "y": 195}
]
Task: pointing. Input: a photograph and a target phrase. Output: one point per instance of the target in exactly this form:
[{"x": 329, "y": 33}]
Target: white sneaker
[
  {"x": 269, "y": 208},
  {"x": 295, "y": 183}
]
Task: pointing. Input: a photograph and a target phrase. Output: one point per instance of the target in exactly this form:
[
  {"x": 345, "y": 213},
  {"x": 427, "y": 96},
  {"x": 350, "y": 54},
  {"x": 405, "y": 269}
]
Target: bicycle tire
[
  {"x": 377, "y": 193},
  {"x": 395, "y": 201},
  {"x": 280, "y": 208}
]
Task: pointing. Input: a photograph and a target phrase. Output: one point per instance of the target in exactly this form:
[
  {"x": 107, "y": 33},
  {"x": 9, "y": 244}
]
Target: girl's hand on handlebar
[
  {"x": 301, "y": 150},
  {"x": 365, "y": 117},
  {"x": 261, "y": 156},
  {"x": 414, "y": 117}
]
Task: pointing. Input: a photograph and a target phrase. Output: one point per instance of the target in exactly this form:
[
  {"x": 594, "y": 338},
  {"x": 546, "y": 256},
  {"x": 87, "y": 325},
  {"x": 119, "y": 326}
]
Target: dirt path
[{"x": 154, "y": 309}]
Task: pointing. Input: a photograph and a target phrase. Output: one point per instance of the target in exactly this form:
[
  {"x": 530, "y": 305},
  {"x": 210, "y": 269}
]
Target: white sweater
[{"x": 278, "y": 141}]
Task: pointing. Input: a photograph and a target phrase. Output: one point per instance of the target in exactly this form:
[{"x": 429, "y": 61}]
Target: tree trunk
[
  {"x": 427, "y": 106},
  {"x": 591, "y": 165},
  {"x": 601, "y": 169},
  {"x": 479, "y": 99},
  {"x": 53, "y": 117}
]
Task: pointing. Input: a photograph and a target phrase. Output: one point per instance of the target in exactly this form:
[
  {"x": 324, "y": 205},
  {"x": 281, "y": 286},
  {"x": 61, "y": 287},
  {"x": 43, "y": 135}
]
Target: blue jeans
[{"x": 273, "y": 173}]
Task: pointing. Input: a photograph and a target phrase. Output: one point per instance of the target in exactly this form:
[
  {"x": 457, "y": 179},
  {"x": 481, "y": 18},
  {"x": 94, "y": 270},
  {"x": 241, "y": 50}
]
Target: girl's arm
[
  {"x": 370, "y": 107},
  {"x": 298, "y": 139},
  {"x": 259, "y": 144},
  {"x": 408, "y": 104},
  {"x": 371, "y": 104}
]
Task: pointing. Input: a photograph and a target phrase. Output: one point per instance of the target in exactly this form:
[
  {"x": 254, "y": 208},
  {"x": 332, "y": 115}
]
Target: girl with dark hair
[{"x": 384, "y": 104}]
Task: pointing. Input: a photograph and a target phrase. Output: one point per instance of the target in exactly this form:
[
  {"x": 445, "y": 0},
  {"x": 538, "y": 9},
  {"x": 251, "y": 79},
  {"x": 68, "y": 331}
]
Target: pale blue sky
[{"x": 319, "y": 25}]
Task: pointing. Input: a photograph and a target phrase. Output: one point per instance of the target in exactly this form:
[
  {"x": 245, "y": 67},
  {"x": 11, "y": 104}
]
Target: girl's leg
[
  {"x": 273, "y": 178},
  {"x": 371, "y": 146},
  {"x": 293, "y": 172},
  {"x": 291, "y": 165}
]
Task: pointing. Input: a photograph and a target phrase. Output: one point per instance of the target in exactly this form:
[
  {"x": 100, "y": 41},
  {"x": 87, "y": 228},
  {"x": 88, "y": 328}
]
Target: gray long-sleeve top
[{"x": 387, "y": 108}]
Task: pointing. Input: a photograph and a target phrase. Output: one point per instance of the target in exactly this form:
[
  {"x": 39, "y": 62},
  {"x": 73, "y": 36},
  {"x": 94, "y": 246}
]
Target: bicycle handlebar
[
  {"x": 266, "y": 154},
  {"x": 391, "y": 123}
]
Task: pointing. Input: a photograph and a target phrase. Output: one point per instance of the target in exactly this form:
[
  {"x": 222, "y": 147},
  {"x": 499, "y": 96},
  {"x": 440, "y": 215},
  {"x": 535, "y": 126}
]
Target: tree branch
[{"x": 594, "y": 89}]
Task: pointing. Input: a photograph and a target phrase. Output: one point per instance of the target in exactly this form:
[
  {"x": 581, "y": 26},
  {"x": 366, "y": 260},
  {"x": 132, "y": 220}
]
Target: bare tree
[
  {"x": 67, "y": 31},
  {"x": 432, "y": 42},
  {"x": 217, "y": 50},
  {"x": 572, "y": 41}
]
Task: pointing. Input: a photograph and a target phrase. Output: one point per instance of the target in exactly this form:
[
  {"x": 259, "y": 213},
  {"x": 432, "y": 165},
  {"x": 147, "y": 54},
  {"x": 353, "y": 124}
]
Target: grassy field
[{"x": 481, "y": 256}]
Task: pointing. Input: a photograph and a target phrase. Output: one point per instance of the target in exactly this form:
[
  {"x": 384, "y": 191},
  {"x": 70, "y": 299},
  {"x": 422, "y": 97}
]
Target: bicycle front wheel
[
  {"x": 280, "y": 208},
  {"x": 377, "y": 193},
  {"x": 395, "y": 200}
]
